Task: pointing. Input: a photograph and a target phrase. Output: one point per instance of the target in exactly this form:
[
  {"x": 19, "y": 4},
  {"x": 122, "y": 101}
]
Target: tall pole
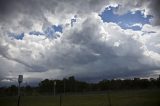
[
  {"x": 54, "y": 88},
  {"x": 20, "y": 79},
  {"x": 64, "y": 88},
  {"x": 60, "y": 100},
  {"x": 18, "y": 94},
  {"x": 109, "y": 97}
]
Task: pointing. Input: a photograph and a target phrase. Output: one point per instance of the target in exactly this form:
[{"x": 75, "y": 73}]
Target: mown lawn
[{"x": 118, "y": 98}]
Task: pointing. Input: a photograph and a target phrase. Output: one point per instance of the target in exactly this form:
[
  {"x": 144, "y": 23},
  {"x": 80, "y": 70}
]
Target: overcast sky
[{"x": 89, "y": 39}]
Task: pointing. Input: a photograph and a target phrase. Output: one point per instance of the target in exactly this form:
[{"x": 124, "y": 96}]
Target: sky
[{"x": 89, "y": 39}]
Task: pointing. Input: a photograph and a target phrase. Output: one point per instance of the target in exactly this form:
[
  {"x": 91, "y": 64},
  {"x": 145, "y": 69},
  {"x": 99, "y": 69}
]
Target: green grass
[{"x": 118, "y": 98}]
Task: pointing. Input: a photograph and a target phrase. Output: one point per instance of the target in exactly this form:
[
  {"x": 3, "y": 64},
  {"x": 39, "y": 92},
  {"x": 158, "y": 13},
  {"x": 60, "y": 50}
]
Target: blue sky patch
[
  {"x": 73, "y": 20},
  {"x": 36, "y": 33},
  {"x": 125, "y": 21},
  {"x": 16, "y": 36},
  {"x": 49, "y": 31},
  {"x": 57, "y": 28},
  {"x": 20, "y": 36}
]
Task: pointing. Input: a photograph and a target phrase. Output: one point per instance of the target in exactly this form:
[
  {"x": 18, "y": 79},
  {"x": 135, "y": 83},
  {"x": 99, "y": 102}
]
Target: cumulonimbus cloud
[{"x": 90, "y": 49}]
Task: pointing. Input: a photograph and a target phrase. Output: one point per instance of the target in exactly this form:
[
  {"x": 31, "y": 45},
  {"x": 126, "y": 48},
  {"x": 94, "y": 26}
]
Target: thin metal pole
[
  {"x": 109, "y": 98},
  {"x": 54, "y": 88},
  {"x": 60, "y": 100},
  {"x": 64, "y": 86},
  {"x": 19, "y": 95}
]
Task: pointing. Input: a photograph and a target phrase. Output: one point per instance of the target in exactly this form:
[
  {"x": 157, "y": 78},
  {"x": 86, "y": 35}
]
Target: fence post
[
  {"x": 109, "y": 98},
  {"x": 20, "y": 80},
  {"x": 60, "y": 100},
  {"x": 19, "y": 96}
]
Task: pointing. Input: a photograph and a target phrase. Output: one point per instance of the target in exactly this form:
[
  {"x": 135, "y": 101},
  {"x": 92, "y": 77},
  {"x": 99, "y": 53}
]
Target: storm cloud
[{"x": 90, "y": 49}]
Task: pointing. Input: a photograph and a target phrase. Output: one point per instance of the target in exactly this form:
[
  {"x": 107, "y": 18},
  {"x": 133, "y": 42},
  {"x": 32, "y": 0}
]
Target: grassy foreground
[{"x": 118, "y": 98}]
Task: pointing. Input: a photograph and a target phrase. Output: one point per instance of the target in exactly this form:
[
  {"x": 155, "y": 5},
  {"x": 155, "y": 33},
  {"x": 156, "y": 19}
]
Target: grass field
[{"x": 118, "y": 98}]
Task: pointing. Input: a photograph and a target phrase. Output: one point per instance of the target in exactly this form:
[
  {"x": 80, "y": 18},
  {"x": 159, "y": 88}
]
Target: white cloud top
[{"x": 90, "y": 50}]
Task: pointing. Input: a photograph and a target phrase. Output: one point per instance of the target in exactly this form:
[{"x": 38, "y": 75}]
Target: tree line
[{"x": 71, "y": 85}]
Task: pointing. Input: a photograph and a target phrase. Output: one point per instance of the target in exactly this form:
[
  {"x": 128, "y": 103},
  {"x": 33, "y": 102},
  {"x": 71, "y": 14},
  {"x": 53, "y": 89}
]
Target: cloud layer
[{"x": 90, "y": 50}]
